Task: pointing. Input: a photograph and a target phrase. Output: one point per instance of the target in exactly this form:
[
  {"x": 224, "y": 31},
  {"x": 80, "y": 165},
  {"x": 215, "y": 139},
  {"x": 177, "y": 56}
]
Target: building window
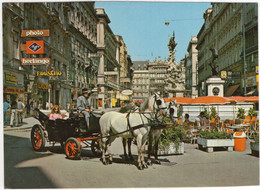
[{"x": 15, "y": 45}]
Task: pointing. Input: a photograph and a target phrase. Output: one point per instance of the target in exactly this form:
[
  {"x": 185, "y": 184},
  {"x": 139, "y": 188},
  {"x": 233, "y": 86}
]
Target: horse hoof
[
  {"x": 105, "y": 163},
  {"x": 149, "y": 162},
  {"x": 157, "y": 162},
  {"x": 109, "y": 162},
  {"x": 145, "y": 166},
  {"x": 140, "y": 167}
]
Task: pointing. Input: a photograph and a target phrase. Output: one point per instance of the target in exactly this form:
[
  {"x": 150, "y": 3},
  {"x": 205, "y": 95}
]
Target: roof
[
  {"x": 140, "y": 65},
  {"x": 213, "y": 99}
]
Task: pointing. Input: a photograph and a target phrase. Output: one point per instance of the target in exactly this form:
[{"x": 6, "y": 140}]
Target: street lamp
[{"x": 244, "y": 46}]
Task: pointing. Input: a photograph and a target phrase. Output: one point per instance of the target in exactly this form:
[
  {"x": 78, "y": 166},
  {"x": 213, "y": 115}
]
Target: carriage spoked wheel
[
  {"x": 37, "y": 138},
  {"x": 72, "y": 148},
  {"x": 95, "y": 148}
]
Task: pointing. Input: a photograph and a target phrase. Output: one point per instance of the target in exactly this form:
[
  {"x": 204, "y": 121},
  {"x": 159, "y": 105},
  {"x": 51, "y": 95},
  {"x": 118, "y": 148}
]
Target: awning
[
  {"x": 250, "y": 93},
  {"x": 231, "y": 90}
]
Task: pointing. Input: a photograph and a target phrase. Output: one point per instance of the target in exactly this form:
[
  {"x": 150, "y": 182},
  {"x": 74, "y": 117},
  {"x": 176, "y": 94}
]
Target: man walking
[
  {"x": 6, "y": 107},
  {"x": 20, "y": 108},
  {"x": 14, "y": 113}
]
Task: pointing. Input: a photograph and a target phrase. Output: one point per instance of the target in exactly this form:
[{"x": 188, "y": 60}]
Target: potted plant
[
  {"x": 171, "y": 141},
  {"x": 241, "y": 113},
  {"x": 254, "y": 145},
  {"x": 214, "y": 138}
]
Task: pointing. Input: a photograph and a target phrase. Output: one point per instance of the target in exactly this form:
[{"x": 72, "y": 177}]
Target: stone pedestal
[{"x": 215, "y": 86}]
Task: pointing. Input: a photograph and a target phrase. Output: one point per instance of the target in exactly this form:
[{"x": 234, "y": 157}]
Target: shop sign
[
  {"x": 48, "y": 73},
  {"x": 127, "y": 92},
  {"x": 223, "y": 74},
  {"x": 10, "y": 78},
  {"x": 35, "y": 33},
  {"x": 35, "y": 61},
  {"x": 125, "y": 80},
  {"x": 251, "y": 81},
  {"x": 35, "y": 47},
  {"x": 12, "y": 90},
  {"x": 43, "y": 86}
]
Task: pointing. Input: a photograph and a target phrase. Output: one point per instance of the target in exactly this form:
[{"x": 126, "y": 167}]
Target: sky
[{"x": 142, "y": 26}]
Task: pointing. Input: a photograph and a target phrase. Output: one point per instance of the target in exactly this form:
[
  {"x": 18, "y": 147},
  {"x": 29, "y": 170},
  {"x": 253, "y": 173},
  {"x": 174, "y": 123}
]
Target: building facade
[
  {"x": 141, "y": 81},
  {"x": 191, "y": 69},
  {"x": 227, "y": 27},
  {"x": 157, "y": 74},
  {"x": 81, "y": 47}
]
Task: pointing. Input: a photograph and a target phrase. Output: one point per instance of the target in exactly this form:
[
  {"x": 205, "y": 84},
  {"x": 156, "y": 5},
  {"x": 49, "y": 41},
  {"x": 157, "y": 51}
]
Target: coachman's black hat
[{"x": 85, "y": 91}]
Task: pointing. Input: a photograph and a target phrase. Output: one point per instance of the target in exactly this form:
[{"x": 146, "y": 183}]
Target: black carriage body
[{"x": 60, "y": 130}]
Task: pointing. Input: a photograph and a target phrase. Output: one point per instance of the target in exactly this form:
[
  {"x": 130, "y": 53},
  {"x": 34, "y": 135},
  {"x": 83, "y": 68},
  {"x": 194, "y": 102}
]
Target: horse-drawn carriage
[{"x": 67, "y": 132}]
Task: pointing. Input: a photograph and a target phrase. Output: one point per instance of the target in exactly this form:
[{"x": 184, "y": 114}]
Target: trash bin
[{"x": 239, "y": 141}]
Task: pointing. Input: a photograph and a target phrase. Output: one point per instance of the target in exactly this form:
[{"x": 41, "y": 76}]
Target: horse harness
[{"x": 153, "y": 123}]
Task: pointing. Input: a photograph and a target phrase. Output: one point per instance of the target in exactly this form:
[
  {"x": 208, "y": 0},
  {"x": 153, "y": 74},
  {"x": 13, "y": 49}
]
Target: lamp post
[{"x": 244, "y": 46}]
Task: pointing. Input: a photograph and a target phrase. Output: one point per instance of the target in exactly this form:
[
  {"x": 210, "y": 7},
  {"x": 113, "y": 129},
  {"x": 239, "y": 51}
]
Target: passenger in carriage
[
  {"x": 84, "y": 104},
  {"x": 55, "y": 113}
]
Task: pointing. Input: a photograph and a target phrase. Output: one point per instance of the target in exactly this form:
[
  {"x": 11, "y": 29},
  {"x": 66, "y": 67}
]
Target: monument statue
[
  {"x": 212, "y": 64},
  {"x": 172, "y": 44}
]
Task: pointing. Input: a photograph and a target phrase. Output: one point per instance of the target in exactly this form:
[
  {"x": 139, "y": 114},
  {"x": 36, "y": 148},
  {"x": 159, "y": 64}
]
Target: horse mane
[{"x": 144, "y": 105}]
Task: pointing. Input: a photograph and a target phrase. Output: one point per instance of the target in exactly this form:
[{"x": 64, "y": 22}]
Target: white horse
[
  {"x": 134, "y": 125},
  {"x": 156, "y": 133},
  {"x": 173, "y": 110}
]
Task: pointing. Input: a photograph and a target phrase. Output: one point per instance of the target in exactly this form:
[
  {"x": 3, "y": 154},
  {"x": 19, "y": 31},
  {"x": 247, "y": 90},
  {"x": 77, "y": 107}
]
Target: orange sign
[
  {"x": 35, "y": 33},
  {"x": 13, "y": 90},
  {"x": 35, "y": 47}
]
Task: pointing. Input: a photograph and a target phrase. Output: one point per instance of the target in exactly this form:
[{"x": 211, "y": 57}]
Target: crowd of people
[{"x": 16, "y": 107}]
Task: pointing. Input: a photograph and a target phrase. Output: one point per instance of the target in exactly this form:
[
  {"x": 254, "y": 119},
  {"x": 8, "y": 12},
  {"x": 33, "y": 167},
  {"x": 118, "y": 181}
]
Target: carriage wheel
[
  {"x": 95, "y": 148},
  {"x": 72, "y": 148},
  {"x": 37, "y": 138}
]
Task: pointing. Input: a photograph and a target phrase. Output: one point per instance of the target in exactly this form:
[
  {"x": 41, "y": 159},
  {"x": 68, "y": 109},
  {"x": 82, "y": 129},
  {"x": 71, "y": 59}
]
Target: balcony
[{"x": 112, "y": 84}]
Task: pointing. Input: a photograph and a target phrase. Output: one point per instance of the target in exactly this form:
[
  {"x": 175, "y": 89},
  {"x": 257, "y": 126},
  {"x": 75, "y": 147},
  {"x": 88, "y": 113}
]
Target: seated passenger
[{"x": 55, "y": 113}]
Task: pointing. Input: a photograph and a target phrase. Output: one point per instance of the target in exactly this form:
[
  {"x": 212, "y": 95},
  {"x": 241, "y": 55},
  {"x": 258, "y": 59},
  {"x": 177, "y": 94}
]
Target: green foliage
[
  {"x": 213, "y": 113},
  {"x": 256, "y": 137},
  {"x": 169, "y": 135},
  {"x": 206, "y": 113},
  {"x": 241, "y": 113},
  {"x": 126, "y": 109},
  {"x": 214, "y": 134},
  {"x": 251, "y": 112},
  {"x": 179, "y": 113}
]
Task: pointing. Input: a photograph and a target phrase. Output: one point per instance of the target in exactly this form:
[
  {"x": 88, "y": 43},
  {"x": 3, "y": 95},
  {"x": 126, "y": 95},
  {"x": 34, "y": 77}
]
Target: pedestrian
[
  {"x": 55, "y": 113},
  {"x": 14, "y": 119},
  {"x": 20, "y": 110},
  {"x": 84, "y": 105},
  {"x": 203, "y": 120},
  {"x": 48, "y": 106},
  {"x": 6, "y": 108}
]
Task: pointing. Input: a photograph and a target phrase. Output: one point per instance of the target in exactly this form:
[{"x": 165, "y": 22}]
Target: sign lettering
[
  {"x": 10, "y": 78},
  {"x": 35, "y": 61},
  {"x": 35, "y": 33},
  {"x": 49, "y": 73}
]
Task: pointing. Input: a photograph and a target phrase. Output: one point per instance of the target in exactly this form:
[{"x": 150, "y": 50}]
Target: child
[{"x": 55, "y": 113}]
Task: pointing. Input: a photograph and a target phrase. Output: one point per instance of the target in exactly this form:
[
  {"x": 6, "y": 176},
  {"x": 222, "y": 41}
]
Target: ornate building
[
  {"x": 223, "y": 31},
  {"x": 81, "y": 47},
  {"x": 191, "y": 68},
  {"x": 157, "y": 74},
  {"x": 141, "y": 81}
]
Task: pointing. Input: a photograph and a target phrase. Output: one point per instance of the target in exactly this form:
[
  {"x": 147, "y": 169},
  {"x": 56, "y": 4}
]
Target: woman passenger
[{"x": 55, "y": 113}]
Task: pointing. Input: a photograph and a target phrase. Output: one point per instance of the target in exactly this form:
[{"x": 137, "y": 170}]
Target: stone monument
[{"x": 215, "y": 85}]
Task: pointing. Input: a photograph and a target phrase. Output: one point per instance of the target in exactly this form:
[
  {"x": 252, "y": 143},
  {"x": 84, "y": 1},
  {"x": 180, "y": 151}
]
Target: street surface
[{"x": 24, "y": 168}]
